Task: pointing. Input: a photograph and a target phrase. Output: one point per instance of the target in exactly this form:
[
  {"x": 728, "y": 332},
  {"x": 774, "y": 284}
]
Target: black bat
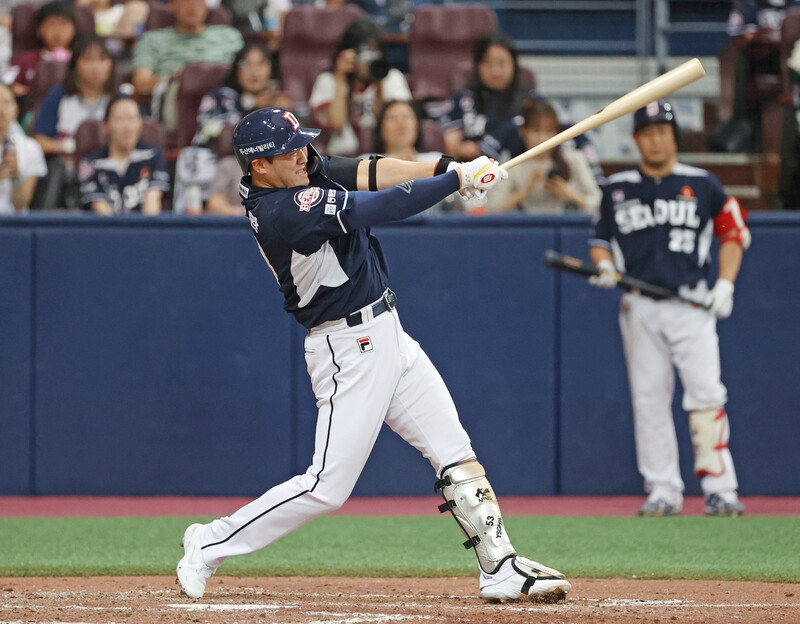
[{"x": 570, "y": 264}]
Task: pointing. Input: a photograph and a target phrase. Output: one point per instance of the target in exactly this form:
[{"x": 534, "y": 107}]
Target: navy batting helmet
[
  {"x": 655, "y": 112},
  {"x": 268, "y": 132}
]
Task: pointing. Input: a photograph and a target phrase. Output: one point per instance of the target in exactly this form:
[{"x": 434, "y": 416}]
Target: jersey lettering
[
  {"x": 632, "y": 216},
  {"x": 682, "y": 241}
]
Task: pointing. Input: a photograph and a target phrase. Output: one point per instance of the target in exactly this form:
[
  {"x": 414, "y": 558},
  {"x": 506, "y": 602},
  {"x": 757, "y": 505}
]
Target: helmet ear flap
[
  {"x": 244, "y": 165},
  {"x": 314, "y": 160}
]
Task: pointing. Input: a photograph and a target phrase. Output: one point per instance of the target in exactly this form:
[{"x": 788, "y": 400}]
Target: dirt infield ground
[{"x": 156, "y": 600}]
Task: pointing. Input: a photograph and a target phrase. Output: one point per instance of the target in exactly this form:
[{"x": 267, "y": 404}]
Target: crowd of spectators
[{"x": 136, "y": 56}]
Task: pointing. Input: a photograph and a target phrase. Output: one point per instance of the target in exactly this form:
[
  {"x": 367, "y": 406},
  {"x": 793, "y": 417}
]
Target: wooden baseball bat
[
  {"x": 628, "y": 103},
  {"x": 570, "y": 264}
]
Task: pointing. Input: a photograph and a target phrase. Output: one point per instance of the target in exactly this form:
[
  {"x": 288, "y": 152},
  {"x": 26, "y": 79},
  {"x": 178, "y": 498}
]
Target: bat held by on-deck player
[{"x": 570, "y": 264}]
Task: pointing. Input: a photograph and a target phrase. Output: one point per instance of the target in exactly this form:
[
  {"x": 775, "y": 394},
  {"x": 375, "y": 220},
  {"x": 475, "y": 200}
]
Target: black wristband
[
  {"x": 373, "y": 171},
  {"x": 441, "y": 166}
]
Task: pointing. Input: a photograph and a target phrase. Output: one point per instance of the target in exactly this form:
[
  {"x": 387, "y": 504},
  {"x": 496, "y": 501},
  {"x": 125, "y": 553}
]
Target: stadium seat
[
  {"x": 48, "y": 74},
  {"x": 91, "y": 136},
  {"x": 196, "y": 80},
  {"x": 23, "y": 25},
  {"x": 310, "y": 37},
  {"x": 161, "y": 17},
  {"x": 440, "y": 47}
]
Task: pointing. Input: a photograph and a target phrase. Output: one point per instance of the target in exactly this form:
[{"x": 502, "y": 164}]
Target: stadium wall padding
[{"x": 147, "y": 357}]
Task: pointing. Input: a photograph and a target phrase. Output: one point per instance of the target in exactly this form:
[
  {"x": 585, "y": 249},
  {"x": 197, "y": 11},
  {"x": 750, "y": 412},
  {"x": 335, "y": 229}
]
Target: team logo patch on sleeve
[
  {"x": 308, "y": 198},
  {"x": 364, "y": 344}
]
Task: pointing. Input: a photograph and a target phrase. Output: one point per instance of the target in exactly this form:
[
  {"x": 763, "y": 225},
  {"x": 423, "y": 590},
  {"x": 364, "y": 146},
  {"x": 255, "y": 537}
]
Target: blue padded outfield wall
[{"x": 154, "y": 357}]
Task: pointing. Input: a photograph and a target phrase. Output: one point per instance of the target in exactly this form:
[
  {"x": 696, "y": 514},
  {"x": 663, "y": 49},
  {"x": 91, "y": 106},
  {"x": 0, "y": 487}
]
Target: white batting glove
[
  {"x": 720, "y": 299},
  {"x": 478, "y": 176},
  {"x": 608, "y": 276}
]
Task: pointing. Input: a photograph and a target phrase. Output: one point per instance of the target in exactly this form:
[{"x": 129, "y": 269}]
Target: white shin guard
[
  {"x": 710, "y": 433},
  {"x": 469, "y": 497}
]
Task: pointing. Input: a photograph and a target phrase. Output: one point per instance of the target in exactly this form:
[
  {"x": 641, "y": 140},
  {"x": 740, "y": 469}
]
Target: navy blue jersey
[
  {"x": 498, "y": 108},
  {"x": 123, "y": 186},
  {"x": 324, "y": 271},
  {"x": 660, "y": 230}
]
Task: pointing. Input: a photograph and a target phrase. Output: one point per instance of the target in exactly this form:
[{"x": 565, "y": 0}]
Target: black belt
[
  {"x": 654, "y": 296},
  {"x": 386, "y": 303}
]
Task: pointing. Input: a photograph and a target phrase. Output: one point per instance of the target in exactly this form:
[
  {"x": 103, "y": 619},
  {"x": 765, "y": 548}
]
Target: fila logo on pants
[{"x": 364, "y": 344}]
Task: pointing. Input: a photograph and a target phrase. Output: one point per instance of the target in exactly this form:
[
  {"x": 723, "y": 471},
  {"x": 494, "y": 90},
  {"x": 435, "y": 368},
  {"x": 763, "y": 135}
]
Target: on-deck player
[
  {"x": 312, "y": 219},
  {"x": 656, "y": 223}
]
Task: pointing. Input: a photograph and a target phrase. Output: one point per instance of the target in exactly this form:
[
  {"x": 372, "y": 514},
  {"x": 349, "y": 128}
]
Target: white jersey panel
[
  {"x": 321, "y": 268},
  {"x": 630, "y": 175}
]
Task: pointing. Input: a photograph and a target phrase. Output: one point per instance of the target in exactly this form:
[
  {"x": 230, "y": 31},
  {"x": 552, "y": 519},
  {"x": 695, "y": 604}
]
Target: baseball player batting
[
  {"x": 656, "y": 224},
  {"x": 311, "y": 216}
]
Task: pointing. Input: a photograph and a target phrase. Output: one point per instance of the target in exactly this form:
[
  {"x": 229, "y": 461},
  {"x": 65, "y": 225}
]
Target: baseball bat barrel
[{"x": 657, "y": 88}]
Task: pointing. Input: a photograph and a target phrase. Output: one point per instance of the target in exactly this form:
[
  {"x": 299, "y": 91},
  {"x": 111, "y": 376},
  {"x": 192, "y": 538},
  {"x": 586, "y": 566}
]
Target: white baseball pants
[
  {"x": 359, "y": 384},
  {"x": 657, "y": 336}
]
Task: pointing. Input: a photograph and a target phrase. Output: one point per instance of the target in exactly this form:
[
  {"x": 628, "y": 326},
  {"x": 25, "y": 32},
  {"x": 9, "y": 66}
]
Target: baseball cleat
[
  {"x": 522, "y": 579},
  {"x": 658, "y": 507},
  {"x": 192, "y": 570},
  {"x": 717, "y": 505}
]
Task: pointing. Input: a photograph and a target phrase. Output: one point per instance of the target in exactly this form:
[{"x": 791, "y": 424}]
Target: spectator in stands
[
  {"x": 397, "y": 133},
  {"x": 223, "y": 195},
  {"x": 22, "y": 161},
  {"x": 247, "y": 87},
  {"x": 161, "y": 54},
  {"x": 84, "y": 94},
  {"x": 123, "y": 20},
  {"x": 495, "y": 97},
  {"x": 507, "y": 141},
  {"x": 755, "y": 30},
  {"x": 5, "y": 35},
  {"x": 552, "y": 183},
  {"x": 128, "y": 175},
  {"x": 55, "y": 27},
  {"x": 347, "y": 99},
  {"x": 392, "y": 16},
  {"x": 260, "y": 16},
  {"x": 397, "y": 136}
]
